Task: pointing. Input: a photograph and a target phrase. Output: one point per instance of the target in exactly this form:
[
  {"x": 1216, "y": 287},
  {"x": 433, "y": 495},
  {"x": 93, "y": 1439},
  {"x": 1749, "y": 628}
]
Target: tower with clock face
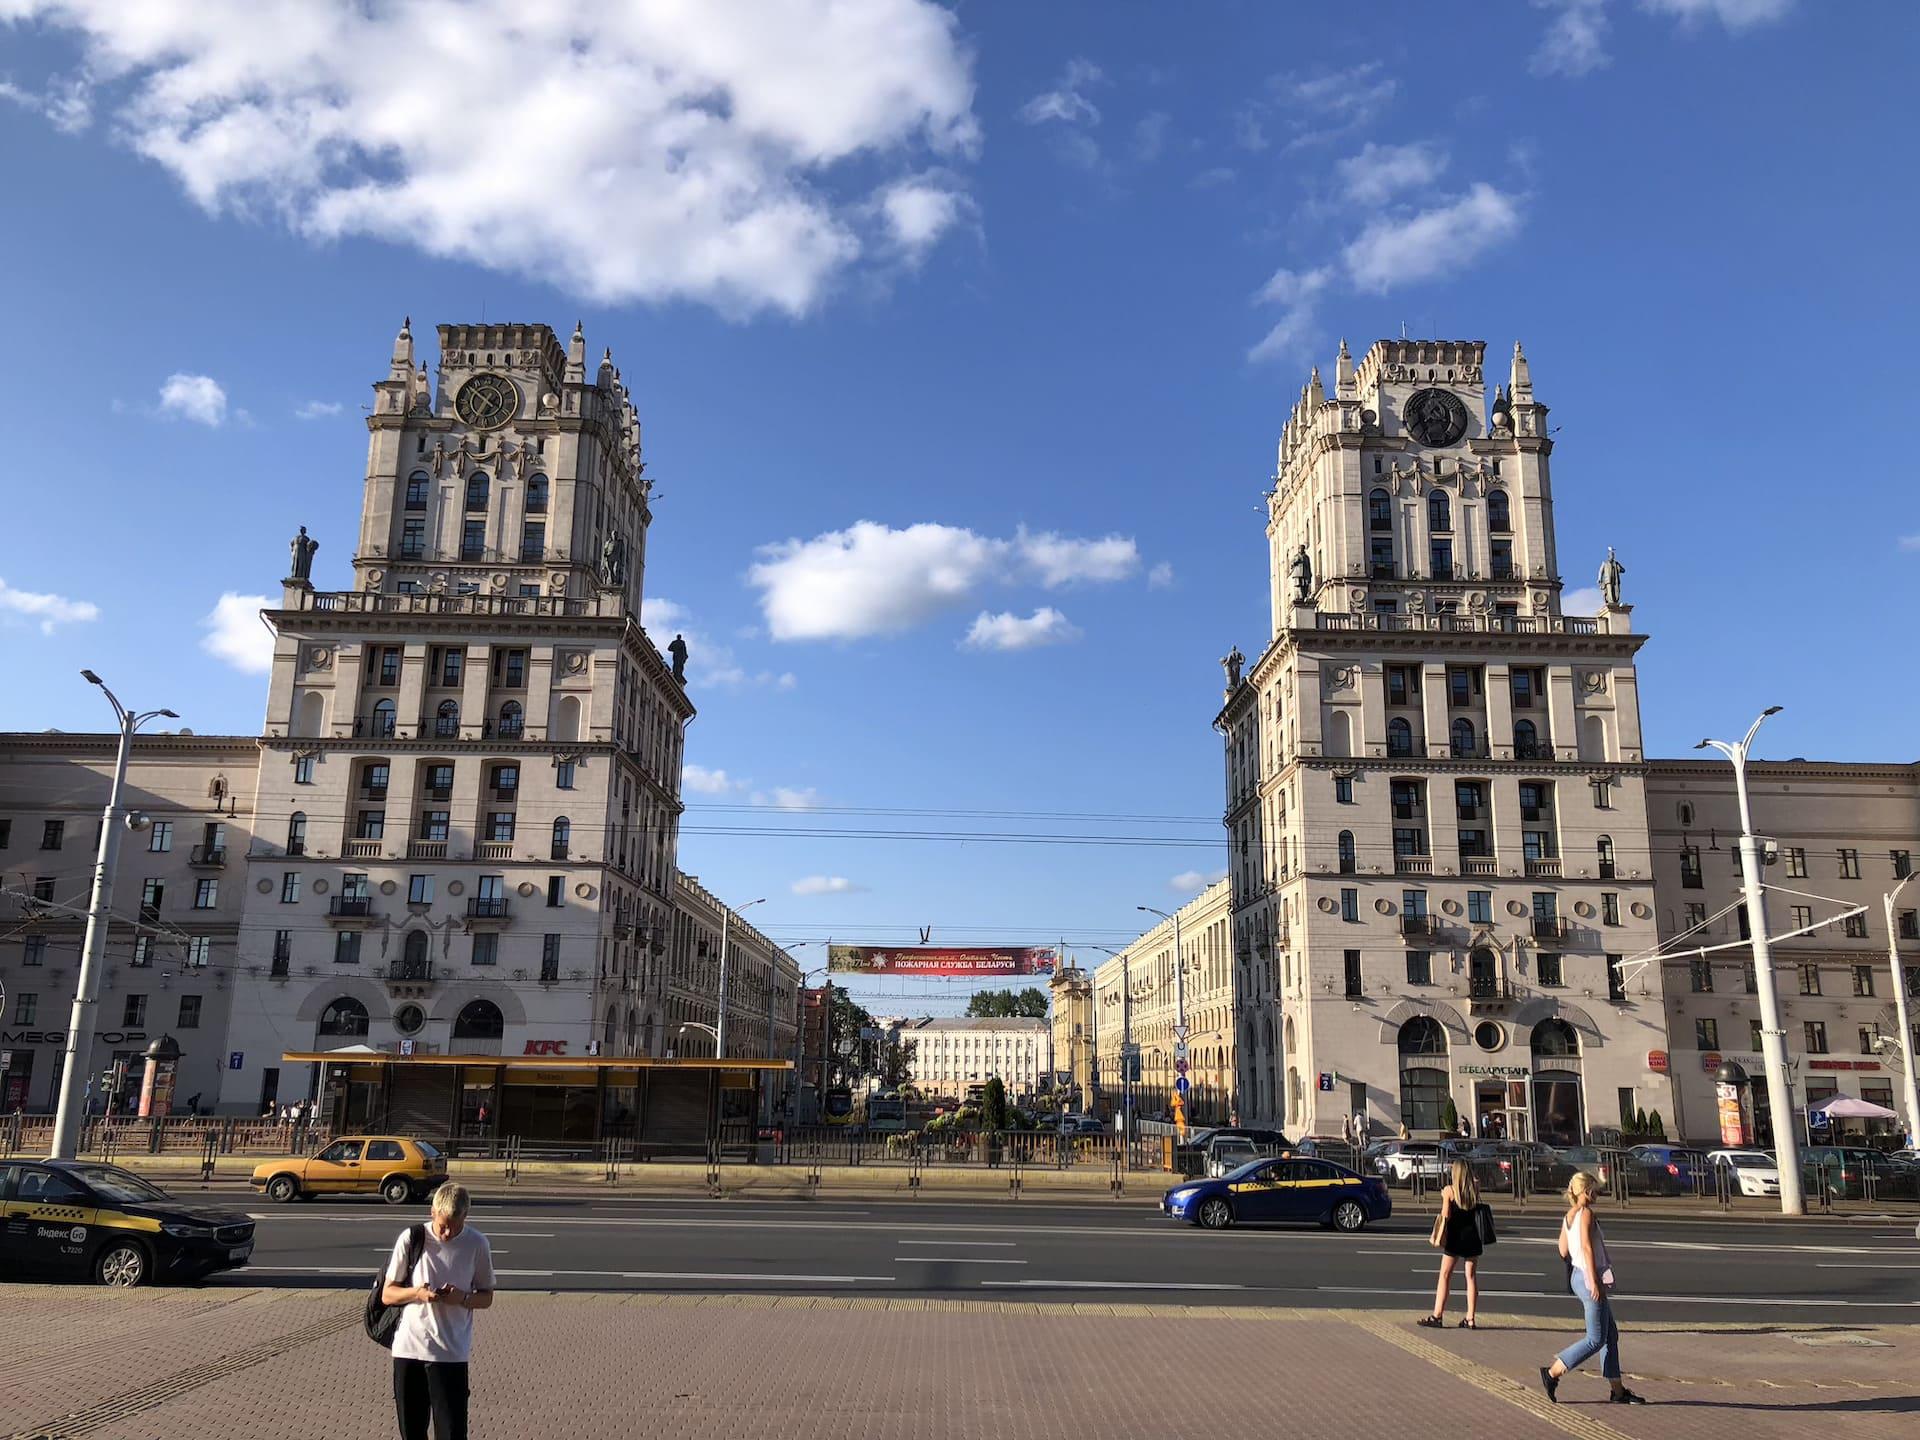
[{"x": 1435, "y": 785}]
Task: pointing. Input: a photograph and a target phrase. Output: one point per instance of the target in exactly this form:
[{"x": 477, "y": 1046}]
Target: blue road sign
[
  {"x": 234, "y": 1057},
  {"x": 1181, "y": 1084}
]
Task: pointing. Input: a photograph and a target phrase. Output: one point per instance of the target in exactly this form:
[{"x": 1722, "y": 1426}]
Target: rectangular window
[
  {"x": 563, "y": 775},
  {"x": 346, "y": 948},
  {"x": 133, "y": 1014},
  {"x": 473, "y": 540},
  {"x": 500, "y": 826},
  {"x": 505, "y": 781},
  {"x": 420, "y": 889},
  {"x": 1406, "y": 800},
  {"x": 1910, "y": 925},
  {"x": 389, "y": 665},
  {"x": 1343, "y": 790},
  {"x": 1753, "y": 1035},
  {"x": 1627, "y": 1111},
  {"x": 1802, "y": 916},
  {"x": 1869, "y": 1034},
  {"x": 554, "y": 884},
  {"x": 1700, "y": 976},
  {"x": 199, "y": 951},
  {"x": 1696, "y": 914},
  {"x": 1380, "y": 557},
  {"x": 160, "y": 838},
  {"x": 1350, "y": 904},
  {"x": 303, "y": 770},
  {"x": 1816, "y": 1037},
  {"x": 1616, "y": 982},
  {"x": 1809, "y": 979},
  {"x": 1538, "y": 845},
  {"x": 6, "y": 833},
  {"x": 1863, "y": 980},
  {"x": 35, "y": 952},
  {"x": 438, "y": 782},
  {"x": 1403, "y": 684},
  {"x": 1440, "y": 554},
  {"x": 142, "y": 951},
  {"x": 533, "y": 540},
  {"x": 1480, "y": 907},
  {"x": 1609, "y": 908},
  {"x": 353, "y": 886},
  {"x": 1550, "y": 970},
  {"x": 417, "y": 486},
  {"x": 1474, "y": 845},
  {"x": 1470, "y": 799},
  {"x": 189, "y": 1012},
  {"x": 1746, "y": 931},
  {"x": 1849, "y": 864},
  {"x": 1463, "y": 683},
  {"x": 1690, "y": 877},
  {"x": 53, "y": 834},
  {"x": 1502, "y": 559},
  {"x": 433, "y": 824},
  {"x": 1408, "y": 841},
  {"x": 289, "y": 887},
  {"x": 1902, "y": 863},
  {"x": 1353, "y": 974},
  {"x": 1536, "y": 800},
  {"x": 1706, "y": 1034},
  {"x": 1419, "y": 967},
  {"x": 370, "y": 825},
  {"x": 152, "y": 892},
  {"x": 510, "y": 668},
  {"x": 486, "y": 949},
  {"x": 282, "y": 950},
  {"x": 1855, "y": 927},
  {"x": 1602, "y": 793},
  {"x": 1797, "y": 863},
  {"x": 452, "y": 665},
  {"x": 549, "y": 957},
  {"x": 413, "y": 538},
  {"x": 26, "y": 1008},
  {"x": 1749, "y": 977}
]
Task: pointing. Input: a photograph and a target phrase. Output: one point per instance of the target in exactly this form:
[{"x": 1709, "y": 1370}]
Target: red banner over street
[{"x": 971, "y": 960}]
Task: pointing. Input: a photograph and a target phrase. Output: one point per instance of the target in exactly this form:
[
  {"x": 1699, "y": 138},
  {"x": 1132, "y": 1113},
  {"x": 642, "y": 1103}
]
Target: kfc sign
[{"x": 546, "y": 1047}]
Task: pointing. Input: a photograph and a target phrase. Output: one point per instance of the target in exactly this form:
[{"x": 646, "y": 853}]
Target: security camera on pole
[
  {"x": 86, "y": 994},
  {"x": 1773, "y": 1038}
]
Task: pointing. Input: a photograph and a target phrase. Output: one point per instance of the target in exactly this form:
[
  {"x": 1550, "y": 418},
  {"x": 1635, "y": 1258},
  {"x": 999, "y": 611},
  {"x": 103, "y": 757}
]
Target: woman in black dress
[{"x": 1458, "y": 1232}]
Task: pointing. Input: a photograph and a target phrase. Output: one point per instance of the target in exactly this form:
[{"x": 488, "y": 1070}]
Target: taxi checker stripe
[{"x": 147, "y": 1397}]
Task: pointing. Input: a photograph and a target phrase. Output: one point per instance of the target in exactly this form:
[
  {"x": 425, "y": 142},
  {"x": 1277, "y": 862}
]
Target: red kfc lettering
[{"x": 546, "y": 1047}]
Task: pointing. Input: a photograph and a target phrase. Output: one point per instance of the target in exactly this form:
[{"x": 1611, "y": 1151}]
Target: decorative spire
[
  {"x": 403, "y": 350},
  {"x": 1520, "y": 386},
  {"x": 577, "y": 357},
  {"x": 1316, "y": 393},
  {"x": 1343, "y": 370}
]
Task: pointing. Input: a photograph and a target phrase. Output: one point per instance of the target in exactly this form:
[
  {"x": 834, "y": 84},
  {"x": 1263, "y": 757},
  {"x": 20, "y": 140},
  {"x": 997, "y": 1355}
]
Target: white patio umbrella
[{"x": 1847, "y": 1107}]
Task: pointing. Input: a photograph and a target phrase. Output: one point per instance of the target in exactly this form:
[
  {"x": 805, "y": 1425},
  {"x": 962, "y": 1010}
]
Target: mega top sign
[{"x": 969, "y": 960}]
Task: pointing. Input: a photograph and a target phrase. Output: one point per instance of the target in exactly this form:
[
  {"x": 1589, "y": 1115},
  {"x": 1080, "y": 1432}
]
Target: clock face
[
  {"x": 487, "y": 402},
  {"x": 1435, "y": 417}
]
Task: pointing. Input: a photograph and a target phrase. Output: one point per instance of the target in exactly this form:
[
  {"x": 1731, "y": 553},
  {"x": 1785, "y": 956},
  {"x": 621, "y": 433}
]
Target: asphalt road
[{"x": 1722, "y": 1270}]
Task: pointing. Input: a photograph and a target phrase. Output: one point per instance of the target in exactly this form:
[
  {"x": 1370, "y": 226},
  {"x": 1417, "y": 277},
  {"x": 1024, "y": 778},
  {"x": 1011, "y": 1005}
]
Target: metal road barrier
[
  {"x": 209, "y": 1148},
  {"x": 612, "y": 1152},
  {"x": 1013, "y": 1177},
  {"x": 512, "y": 1167},
  {"x": 713, "y": 1171}
]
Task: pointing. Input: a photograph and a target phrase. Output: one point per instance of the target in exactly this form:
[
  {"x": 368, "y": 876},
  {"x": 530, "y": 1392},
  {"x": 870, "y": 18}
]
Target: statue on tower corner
[
  {"x": 1231, "y": 663},
  {"x": 303, "y": 549},
  {"x": 678, "y": 650},
  {"x": 1302, "y": 571},
  {"x": 613, "y": 561},
  {"x": 1610, "y": 572}
]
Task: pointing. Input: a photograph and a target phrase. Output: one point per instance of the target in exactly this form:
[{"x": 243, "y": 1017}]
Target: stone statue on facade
[
  {"x": 1231, "y": 663},
  {"x": 303, "y": 548},
  {"x": 1302, "y": 571},
  {"x": 678, "y": 650},
  {"x": 613, "y": 561},
  {"x": 1610, "y": 572}
]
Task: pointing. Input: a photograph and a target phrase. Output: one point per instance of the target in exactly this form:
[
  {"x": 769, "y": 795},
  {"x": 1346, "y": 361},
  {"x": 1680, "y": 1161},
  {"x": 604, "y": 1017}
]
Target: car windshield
[
  {"x": 1246, "y": 1171},
  {"x": 1749, "y": 1157},
  {"x": 1580, "y": 1152},
  {"x": 430, "y": 1151},
  {"x": 114, "y": 1183}
]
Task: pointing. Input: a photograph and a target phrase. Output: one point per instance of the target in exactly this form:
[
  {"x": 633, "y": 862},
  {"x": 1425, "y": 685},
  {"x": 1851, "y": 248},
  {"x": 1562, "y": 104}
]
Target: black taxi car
[{"x": 76, "y": 1219}]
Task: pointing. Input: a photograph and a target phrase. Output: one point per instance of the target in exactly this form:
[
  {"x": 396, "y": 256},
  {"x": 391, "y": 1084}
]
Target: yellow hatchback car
[{"x": 395, "y": 1169}]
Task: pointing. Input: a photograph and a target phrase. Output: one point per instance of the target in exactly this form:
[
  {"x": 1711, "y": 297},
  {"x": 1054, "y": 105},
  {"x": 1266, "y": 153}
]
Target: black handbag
[
  {"x": 1483, "y": 1223},
  {"x": 383, "y": 1319}
]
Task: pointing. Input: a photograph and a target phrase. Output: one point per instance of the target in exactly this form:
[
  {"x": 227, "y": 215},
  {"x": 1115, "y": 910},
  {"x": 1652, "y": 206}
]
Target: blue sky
[{"x": 1040, "y": 280}]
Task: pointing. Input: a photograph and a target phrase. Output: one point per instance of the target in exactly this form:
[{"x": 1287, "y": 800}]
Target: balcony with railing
[
  {"x": 1420, "y": 927},
  {"x": 351, "y": 912},
  {"x": 426, "y": 849},
  {"x": 408, "y": 977},
  {"x": 493, "y": 850},
  {"x": 1550, "y": 927},
  {"x": 1410, "y": 864},
  {"x": 1479, "y": 865},
  {"x": 378, "y": 726},
  {"x": 508, "y": 727},
  {"x": 1489, "y": 992},
  {"x": 362, "y": 847},
  {"x": 487, "y": 909},
  {"x": 1451, "y": 621},
  {"x": 208, "y": 857},
  {"x": 1543, "y": 868}
]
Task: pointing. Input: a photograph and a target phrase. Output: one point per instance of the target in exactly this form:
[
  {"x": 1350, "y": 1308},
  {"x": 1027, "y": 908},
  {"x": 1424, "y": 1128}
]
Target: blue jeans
[{"x": 1602, "y": 1333}]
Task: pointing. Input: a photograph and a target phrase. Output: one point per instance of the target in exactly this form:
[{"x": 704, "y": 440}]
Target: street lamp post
[
  {"x": 720, "y": 1026},
  {"x": 1773, "y": 1037},
  {"x": 1900, "y": 1008},
  {"x": 76, "y": 1062},
  {"x": 1179, "y": 1006}
]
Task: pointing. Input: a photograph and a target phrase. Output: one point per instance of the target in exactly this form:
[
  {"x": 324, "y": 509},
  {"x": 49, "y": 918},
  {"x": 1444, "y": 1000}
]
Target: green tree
[
  {"x": 1450, "y": 1116},
  {"x": 1658, "y": 1126},
  {"x": 993, "y": 1106},
  {"x": 1030, "y": 1003}
]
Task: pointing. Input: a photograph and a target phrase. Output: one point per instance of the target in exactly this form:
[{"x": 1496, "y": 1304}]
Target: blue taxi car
[{"x": 1290, "y": 1188}]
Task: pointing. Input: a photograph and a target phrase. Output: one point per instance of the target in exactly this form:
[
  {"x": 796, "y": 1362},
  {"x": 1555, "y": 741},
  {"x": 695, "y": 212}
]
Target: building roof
[{"x": 984, "y": 1022}]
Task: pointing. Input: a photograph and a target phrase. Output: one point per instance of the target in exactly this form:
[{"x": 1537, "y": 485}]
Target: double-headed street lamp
[
  {"x": 1773, "y": 1038},
  {"x": 720, "y": 1027},
  {"x": 78, "y": 1058},
  {"x": 1900, "y": 1009}
]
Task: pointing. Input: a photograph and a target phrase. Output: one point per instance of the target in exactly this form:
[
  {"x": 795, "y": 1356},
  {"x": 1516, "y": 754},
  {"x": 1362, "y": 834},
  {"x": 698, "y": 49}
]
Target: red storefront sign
[
  {"x": 1657, "y": 1061},
  {"x": 1710, "y": 1061},
  {"x": 1843, "y": 1064},
  {"x": 546, "y": 1047}
]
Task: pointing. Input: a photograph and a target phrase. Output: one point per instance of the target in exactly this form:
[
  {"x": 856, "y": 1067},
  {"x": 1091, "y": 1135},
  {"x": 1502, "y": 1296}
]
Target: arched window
[
  {"x": 1439, "y": 512},
  {"x": 476, "y": 491},
  {"x": 512, "y": 718},
  {"x": 1499, "y": 522},
  {"x": 1346, "y": 852},
  {"x": 536, "y": 494},
  {"x": 1423, "y": 1035},
  {"x": 297, "y": 833},
  {"x": 383, "y": 718},
  {"x": 1399, "y": 737},
  {"x": 1605, "y": 846},
  {"x": 345, "y": 1016},
  {"x": 1379, "y": 511},
  {"x": 1526, "y": 740},
  {"x": 1463, "y": 736},
  {"x": 562, "y": 837},
  {"x": 446, "y": 719},
  {"x": 1555, "y": 1037},
  {"x": 415, "y": 963},
  {"x": 417, "y": 485},
  {"x": 479, "y": 1020},
  {"x": 1483, "y": 975}
]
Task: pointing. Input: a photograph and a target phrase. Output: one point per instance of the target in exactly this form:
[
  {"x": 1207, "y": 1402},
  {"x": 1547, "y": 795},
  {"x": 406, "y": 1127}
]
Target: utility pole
[
  {"x": 75, "y": 1064},
  {"x": 1773, "y": 1037},
  {"x": 720, "y": 1023},
  {"x": 1900, "y": 1009},
  {"x": 1179, "y": 1014}
]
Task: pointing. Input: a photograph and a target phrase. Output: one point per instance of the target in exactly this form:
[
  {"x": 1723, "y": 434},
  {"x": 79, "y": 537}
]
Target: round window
[
  {"x": 1489, "y": 1036},
  {"x": 411, "y": 1019}
]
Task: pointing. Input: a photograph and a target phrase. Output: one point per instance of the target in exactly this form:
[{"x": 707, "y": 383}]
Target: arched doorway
[
  {"x": 344, "y": 1017},
  {"x": 1422, "y": 1044},
  {"x": 1559, "y": 1113},
  {"x": 479, "y": 1020}
]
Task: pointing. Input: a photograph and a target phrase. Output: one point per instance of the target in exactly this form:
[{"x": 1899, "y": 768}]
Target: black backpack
[{"x": 383, "y": 1319}]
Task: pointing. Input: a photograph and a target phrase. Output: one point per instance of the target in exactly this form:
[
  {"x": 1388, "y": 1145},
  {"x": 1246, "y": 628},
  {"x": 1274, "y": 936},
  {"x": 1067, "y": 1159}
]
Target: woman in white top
[
  {"x": 1590, "y": 1277},
  {"x": 452, "y": 1278}
]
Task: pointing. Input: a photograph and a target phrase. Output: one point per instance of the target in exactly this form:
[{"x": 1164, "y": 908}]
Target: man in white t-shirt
[{"x": 452, "y": 1278}]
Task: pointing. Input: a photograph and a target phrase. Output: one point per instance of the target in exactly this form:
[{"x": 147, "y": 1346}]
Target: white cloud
[
  {"x": 920, "y": 210},
  {"x": 1734, "y": 14},
  {"x": 871, "y": 579},
  {"x": 827, "y": 885},
  {"x": 1160, "y": 577},
  {"x": 1584, "y": 601},
  {"x": 1150, "y": 135},
  {"x": 67, "y": 102},
  {"x": 1334, "y": 103},
  {"x": 648, "y": 150},
  {"x": 1379, "y": 172},
  {"x": 318, "y": 410},
  {"x": 1392, "y": 252},
  {"x": 1910, "y": 542},
  {"x": 48, "y": 609},
  {"x": 1576, "y": 42},
  {"x": 710, "y": 663},
  {"x": 786, "y": 798},
  {"x": 1192, "y": 882},
  {"x": 236, "y": 634},
  {"x": 1296, "y": 293},
  {"x": 1067, "y": 102},
  {"x": 198, "y": 398},
  {"x": 702, "y": 781},
  {"x": 1007, "y": 631}
]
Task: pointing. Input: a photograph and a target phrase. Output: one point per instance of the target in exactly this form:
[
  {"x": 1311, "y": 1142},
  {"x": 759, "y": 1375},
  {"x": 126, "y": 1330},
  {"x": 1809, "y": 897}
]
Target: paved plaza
[{"x": 255, "y": 1363}]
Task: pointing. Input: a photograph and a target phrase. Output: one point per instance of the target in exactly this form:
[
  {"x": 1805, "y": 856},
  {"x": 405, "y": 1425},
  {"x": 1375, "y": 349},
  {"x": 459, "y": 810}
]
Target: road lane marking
[
  {"x": 708, "y": 1275},
  {"x": 1856, "y": 1265},
  {"x": 1629, "y": 1300},
  {"x": 1109, "y": 1285},
  {"x": 968, "y": 1244},
  {"x": 953, "y": 1260},
  {"x": 1482, "y": 1270}
]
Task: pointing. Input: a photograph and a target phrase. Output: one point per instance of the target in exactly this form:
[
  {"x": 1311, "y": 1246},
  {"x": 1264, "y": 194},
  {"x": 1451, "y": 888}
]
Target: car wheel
[
  {"x": 282, "y": 1188},
  {"x": 122, "y": 1264},
  {"x": 1349, "y": 1215},
  {"x": 1216, "y": 1214},
  {"x": 397, "y": 1191}
]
